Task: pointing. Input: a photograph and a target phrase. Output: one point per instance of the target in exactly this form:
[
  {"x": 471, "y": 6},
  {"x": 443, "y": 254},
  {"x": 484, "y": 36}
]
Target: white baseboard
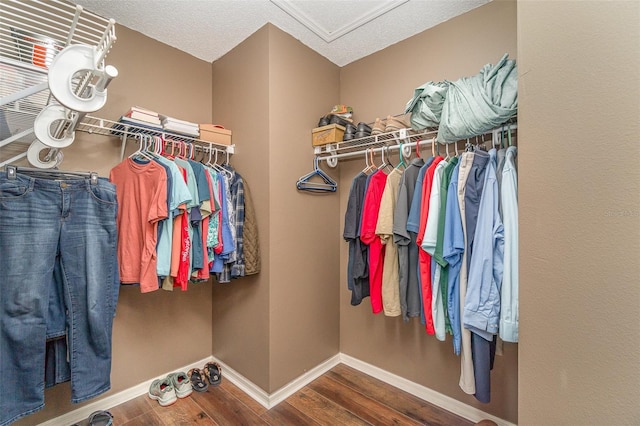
[
  {"x": 294, "y": 386},
  {"x": 111, "y": 401},
  {"x": 271, "y": 400},
  {"x": 436, "y": 398}
]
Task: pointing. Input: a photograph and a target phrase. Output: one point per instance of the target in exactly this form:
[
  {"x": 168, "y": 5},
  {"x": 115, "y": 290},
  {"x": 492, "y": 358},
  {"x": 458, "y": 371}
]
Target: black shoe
[
  {"x": 364, "y": 127},
  {"x": 349, "y": 132},
  {"x": 324, "y": 121},
  {"x": 336, "y": 119}
]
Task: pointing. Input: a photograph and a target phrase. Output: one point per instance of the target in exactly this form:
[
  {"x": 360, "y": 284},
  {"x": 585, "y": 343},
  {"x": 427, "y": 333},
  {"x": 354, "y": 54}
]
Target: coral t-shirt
[{"x": 141, "y": 189}]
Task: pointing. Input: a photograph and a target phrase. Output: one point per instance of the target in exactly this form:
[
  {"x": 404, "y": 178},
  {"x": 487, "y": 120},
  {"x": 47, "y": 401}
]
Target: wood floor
[{"x": 342, "y": 396}]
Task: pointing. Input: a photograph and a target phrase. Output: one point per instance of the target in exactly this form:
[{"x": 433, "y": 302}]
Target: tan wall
[
  {"x": 273, "y": 327},
  {"x": 579, "y": 212},
  {"x": 377, "y": 86},
  {"x": 304, "y": 301},
  {"x": 151, "y": 332},
  {"x": 241, "y": 311}
]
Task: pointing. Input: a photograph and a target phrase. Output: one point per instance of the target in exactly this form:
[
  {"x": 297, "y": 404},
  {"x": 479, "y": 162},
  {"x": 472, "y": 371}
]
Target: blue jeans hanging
[{"x": 58, "y": 277}]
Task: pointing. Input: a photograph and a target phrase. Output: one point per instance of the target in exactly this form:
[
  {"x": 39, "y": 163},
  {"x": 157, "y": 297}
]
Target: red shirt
[
  {"x": 370, "y": 209},
  {"x": 424, "y": 259}
]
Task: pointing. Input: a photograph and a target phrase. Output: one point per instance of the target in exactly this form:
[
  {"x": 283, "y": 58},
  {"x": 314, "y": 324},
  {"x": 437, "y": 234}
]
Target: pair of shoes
[
  {"x": 336, "y": 119},
  {"x": 167, "y": 391},
  {"x": 397, "y": 122},
  {"x": 349, "y": 132},
  {"x": 213, "y": 372},
  {"x": 363, "y": 131},
  {"x": 378, "y": 126},
  {"x": 198, "y": 382}
]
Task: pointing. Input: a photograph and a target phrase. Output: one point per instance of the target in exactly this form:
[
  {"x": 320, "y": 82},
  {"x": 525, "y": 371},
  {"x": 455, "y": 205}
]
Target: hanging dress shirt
[{"x": 509, "y": 290}]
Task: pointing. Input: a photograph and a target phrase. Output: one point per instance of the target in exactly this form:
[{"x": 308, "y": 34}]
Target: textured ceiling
[{"x": 340, "y": 30}]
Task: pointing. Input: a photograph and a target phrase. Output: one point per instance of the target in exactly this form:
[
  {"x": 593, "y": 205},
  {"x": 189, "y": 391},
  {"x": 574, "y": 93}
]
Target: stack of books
[
  {"x": 182, "y": 127},
  {"x": 142, "y": 117}
]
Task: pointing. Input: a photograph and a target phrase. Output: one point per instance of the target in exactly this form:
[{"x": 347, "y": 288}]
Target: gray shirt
[
  {"x": 358, "y": 265},
  {"x": 410, "y": 303}
]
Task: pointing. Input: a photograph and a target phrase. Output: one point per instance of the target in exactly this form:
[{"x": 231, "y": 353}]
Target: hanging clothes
[
  {"x": 142, "y": 195},
  {"x": 405, "y": 239},
  {"x": 438, "y": 256},
  {"x": 429, "y": 241},
  {"x": 384, "y": 229},
  {"x": 233, "y": 266},
  {"x": 370, "y": 210},
  {"x": 58, "y": 239},
  {"x": 413, "y": 227},
  {"x": 358, "y": 259},
  {"x": 452, "y": 251},
  {"x": 467, "y": 380},
  {"x": 251, "y": 251},
  {"x": 509, "y": 289},
  {"x": 423, "y": 256},
  {"x": 178, "y": 195}
]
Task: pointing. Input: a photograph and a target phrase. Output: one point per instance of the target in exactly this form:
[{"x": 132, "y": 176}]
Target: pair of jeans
[{"x": 58, "y": 282}]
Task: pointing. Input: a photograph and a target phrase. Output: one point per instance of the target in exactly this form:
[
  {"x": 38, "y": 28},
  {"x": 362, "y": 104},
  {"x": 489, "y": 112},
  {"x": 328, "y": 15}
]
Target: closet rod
[
  {"x": 203, "y": 146},
  {"x": 329, "y": 158}
]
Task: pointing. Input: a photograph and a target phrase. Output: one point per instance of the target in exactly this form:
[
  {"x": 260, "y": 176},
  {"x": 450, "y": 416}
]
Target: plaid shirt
[{"x": 234, "y": 268}]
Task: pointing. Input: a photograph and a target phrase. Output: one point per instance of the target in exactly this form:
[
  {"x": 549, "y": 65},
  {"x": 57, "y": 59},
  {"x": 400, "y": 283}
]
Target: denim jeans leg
[
  {"x": 87, "y": 252},
  {"x": 41, "y": 220},
  {"x": 29, "y": 230}
]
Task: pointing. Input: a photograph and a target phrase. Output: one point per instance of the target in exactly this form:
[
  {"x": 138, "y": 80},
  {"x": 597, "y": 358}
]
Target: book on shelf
[
  {"x": 143, "y": 115},
  {"x": 144, "y": 111}
]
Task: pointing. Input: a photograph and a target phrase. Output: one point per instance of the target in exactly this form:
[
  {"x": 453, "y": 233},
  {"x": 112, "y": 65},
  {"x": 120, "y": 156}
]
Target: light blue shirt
[
  {"x": 482, "y": 302},
  {"x": 509, "y": 290},
  {"x": 195, "y": 202},
  {"x": 452, "y": 249},
  {"x": 179, "y": 195}
]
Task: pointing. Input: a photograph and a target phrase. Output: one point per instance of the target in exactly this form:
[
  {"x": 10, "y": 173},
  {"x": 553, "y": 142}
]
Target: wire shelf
[
  {"x": 32, "y": 33},
  {"x": 124, "y": 131}
]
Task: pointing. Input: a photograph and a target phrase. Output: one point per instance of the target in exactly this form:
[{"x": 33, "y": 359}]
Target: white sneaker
[
  {"x": 181, "y": 384},
  {"x": 162, "y": 391}
]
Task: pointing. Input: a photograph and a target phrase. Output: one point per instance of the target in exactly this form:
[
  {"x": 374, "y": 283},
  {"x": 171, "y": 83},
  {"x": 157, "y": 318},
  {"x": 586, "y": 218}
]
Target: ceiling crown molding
[{"x": 296, "y": 13}]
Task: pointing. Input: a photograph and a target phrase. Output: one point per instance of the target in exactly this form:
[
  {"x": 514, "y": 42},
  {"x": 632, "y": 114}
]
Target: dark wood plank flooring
[{"x": 342, "y": 396}]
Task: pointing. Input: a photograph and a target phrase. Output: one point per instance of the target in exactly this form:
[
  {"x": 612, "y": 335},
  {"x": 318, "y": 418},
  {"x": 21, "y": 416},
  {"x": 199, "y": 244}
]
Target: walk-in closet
[{"x": 287, "y": 324}]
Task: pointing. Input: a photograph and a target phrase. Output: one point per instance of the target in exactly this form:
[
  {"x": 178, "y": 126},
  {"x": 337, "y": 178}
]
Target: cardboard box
[
  {"x": 330, "y": 133},
  {"x": 213, "y": 134}
]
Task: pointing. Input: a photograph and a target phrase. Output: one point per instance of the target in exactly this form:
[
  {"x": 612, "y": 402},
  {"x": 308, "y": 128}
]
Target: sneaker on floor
[
  {"x": 162, "y": 391},
  {"x": 181, "y": 384}
]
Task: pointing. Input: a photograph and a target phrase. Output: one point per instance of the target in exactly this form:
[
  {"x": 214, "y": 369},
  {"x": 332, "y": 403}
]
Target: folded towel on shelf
[
  {"x": 128, "y": 121},
  {"x": 181, "y": 128},
  {"x": 166, "y": 119}
]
